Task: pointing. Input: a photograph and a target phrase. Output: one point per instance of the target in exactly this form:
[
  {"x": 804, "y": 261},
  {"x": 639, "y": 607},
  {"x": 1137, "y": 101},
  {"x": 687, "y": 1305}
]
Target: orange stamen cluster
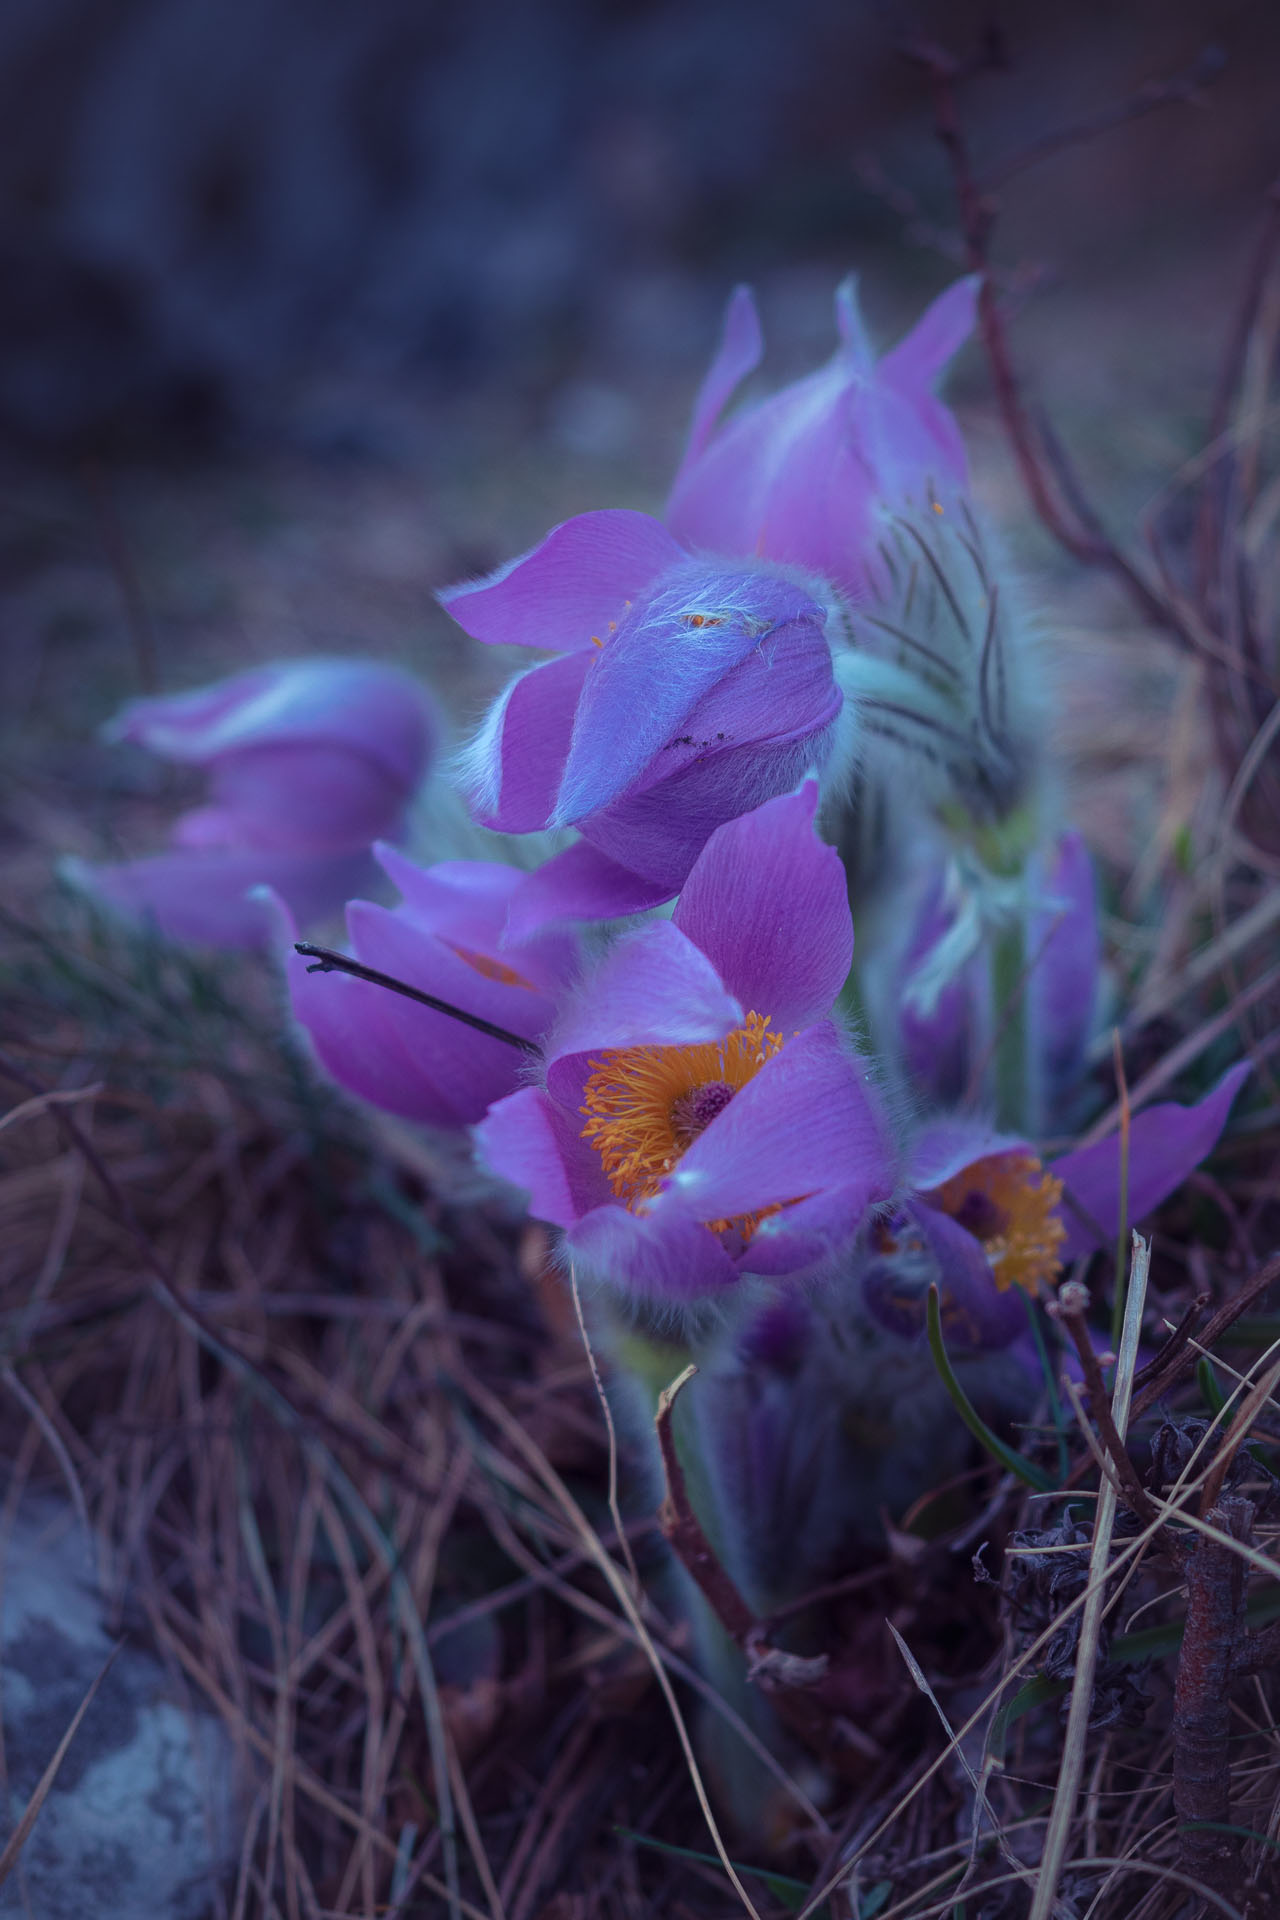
[
  {"x": 1012, "y": 1214},
  {"x": 645, "y": 1106}
]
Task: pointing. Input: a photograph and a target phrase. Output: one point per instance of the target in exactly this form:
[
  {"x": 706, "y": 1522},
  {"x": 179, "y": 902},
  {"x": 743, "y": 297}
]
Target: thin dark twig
[
  {"x": 328, "y": 960},
  {"x": 1157, "y": 1366},
  {"x": 1070, "y": 1310},
  {"x": 1181, "y": 89},
  {"x": 1214, "y": 1330}
]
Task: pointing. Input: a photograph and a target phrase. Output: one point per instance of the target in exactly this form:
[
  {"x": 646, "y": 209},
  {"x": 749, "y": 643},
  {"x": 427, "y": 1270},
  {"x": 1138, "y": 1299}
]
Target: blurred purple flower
[
  {"x": 686, "y": 692},
  {"x": 309, "y": 762},
  {"x": 983, "y": 1219},
  {"x": 700, "y": 1116},
  {"x": 806, "y": 476},
  {"x": 934, "y": 1005},
  {"x": 444, "y": 938}
]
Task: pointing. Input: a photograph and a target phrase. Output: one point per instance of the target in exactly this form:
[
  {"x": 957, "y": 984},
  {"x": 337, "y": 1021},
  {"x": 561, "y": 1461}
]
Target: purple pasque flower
[
  {"x": 445, "y": 938},
  {"x": 932, "y": 998},
  {"x": 805, "y": 476},
  {"x": 686, "y": 691},
  {"x": 700, "y": 1116},
  {"x": 308, "y": 761},
  {"x": 985, "y": 1220}
]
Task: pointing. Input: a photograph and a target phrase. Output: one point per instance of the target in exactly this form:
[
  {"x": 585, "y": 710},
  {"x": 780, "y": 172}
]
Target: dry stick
[
  {"x": 1071, "y": 1303},
  {"x": 329, "y": 960},
  {"x": 772, "y": 1666},
  {"x": 1072, "y": 1768},
  {"x": 1217, "y": 1326},
  {"x": 1174, "y": 1345},
  {"x": 1126, "y": 1556},
  {"x": 615, "y": 1512},
  {"x": 1215, "y": 1577},
  {"x": 977, "y": 209}
]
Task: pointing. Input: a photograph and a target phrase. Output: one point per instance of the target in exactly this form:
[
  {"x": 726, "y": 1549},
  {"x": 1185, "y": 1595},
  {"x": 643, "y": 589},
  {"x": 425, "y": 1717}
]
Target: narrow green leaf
[
  {"x": 1026, "y": 1470},
  {"x": 792, "y": 1893},
  {"x": 1210, "y": 1392}
]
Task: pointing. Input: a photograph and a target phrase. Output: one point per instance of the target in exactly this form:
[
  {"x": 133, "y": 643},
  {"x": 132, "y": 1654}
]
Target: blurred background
[{"x": 306, "y": 308}]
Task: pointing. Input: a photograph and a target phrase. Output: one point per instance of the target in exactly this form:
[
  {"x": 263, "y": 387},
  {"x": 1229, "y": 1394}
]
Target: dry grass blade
[
  {"x": 1071, "y": 1770},
  {"x": 44, "y": 1786},
  {"x": 615, "y": 1512}
]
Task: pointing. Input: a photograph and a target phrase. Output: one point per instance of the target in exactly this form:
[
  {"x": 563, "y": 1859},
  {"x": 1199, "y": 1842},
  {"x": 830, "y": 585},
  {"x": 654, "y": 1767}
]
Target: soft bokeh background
[{"x": 306, "y": 308}]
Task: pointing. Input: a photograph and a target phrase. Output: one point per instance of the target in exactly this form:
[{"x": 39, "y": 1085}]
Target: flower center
[
  {"x": 645, "y": 1106},
  {"x": 491, "y": 969},
  {"x": 1012, "y": 1214}
]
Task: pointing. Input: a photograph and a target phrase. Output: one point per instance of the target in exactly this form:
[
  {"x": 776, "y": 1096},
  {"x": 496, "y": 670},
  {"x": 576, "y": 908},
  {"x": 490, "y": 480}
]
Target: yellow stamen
[
  {"x": 1012, "y": 1214},
  {"x": 491, "y": 969},
  {"x": 645, "y": 1106}
]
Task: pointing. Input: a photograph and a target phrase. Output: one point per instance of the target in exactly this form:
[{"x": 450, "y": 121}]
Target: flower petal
[
  {"x": 1166, "y": 1143},
  {"x": 530, "y": 1141},
  {"x": 768, "y": 903},
  {"x": 653, "y": 988},
  {"x": 667, "y": 656},
  {"x": 349, "y": 1032},
  {"x": 938, "y": 335},
  {"x": 945, "y": 1147},
  {"x": 570, "y": 586},
  {"x": 371, "y": 709},
  {"x": 511, "y": 771},
  {"x": 807, "y": 1121},
  {"x": 580, "y": 884},
  {"x": 808, "y": 1234},
  {"x": 466, "y": 903},
  {"x": 739, "y": 353},
  {"x": 202, "y": 896},
  {"x": 675, "y": 1260}
]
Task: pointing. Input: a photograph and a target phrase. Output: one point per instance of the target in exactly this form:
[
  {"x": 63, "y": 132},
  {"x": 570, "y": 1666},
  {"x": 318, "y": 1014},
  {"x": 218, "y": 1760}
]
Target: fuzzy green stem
[{"x": 1009, "y": 1011}]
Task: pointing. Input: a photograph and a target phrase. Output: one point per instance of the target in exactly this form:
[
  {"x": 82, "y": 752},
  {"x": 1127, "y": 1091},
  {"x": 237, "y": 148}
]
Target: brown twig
[
  {"x": 1218, "y": 1325},
  {"x": 1176, "y": 1344},
  {"x": 1202, "y": 1698},
  {"x": 1085, "y": 539},
  {"x": 1069, "y": 1309}
]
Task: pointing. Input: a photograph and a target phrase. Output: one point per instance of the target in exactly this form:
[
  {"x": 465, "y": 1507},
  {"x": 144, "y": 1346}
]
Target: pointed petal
[
  {"x": 677, "y": 1260},
  {"x": 653, "y": 988},
  {"x": 665, "y": 658},
  {"x": 808, "y": 1120},
  {"x": 922, "y": 355},
  {"x": 1166, "y": 1143},
  {"x": 579, "y": 884},
  {"x": 201, "y": 896},
  {"x": 570, "y": 586},
  {"x": 530, "y": 1141},
  {"x": 512, "y": 769},
  {"x": 739, "y": 353},
  {"x": 768, "y": 904},
  {"x": 859, "y": 354}
]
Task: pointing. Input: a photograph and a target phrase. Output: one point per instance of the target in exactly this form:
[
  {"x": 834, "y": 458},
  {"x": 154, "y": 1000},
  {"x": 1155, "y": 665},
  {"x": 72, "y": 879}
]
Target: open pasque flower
[
  {"x": 986, "y": 1221},
  {"x": 686, "y": 692},
  {"x": 807, "y": 475},
  {"x": 446, "y": 939},
  {"x": 700, "y": 1116},
  {"x": 309, "y": 762}
]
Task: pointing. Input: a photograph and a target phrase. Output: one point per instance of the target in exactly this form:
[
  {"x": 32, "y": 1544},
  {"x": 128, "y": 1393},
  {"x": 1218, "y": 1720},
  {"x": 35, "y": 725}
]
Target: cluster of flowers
[{"x": 817, "y": 632}]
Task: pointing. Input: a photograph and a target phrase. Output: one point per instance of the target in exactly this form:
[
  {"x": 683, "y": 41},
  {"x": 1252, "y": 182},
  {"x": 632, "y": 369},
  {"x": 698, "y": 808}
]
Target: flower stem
[{"x": 1009, "y": 1010}]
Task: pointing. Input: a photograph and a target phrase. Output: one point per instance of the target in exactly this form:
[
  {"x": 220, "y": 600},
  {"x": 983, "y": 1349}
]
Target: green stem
[{"x": 1009, "y": 1012}]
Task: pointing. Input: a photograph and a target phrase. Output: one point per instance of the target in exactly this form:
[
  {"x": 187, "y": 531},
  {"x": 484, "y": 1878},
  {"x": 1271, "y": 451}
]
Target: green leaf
[
  {"x": 1025, "y": 1469},
  {"x": 1211, "y": 1393},
  {"x": 792, "y": 1893}
]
